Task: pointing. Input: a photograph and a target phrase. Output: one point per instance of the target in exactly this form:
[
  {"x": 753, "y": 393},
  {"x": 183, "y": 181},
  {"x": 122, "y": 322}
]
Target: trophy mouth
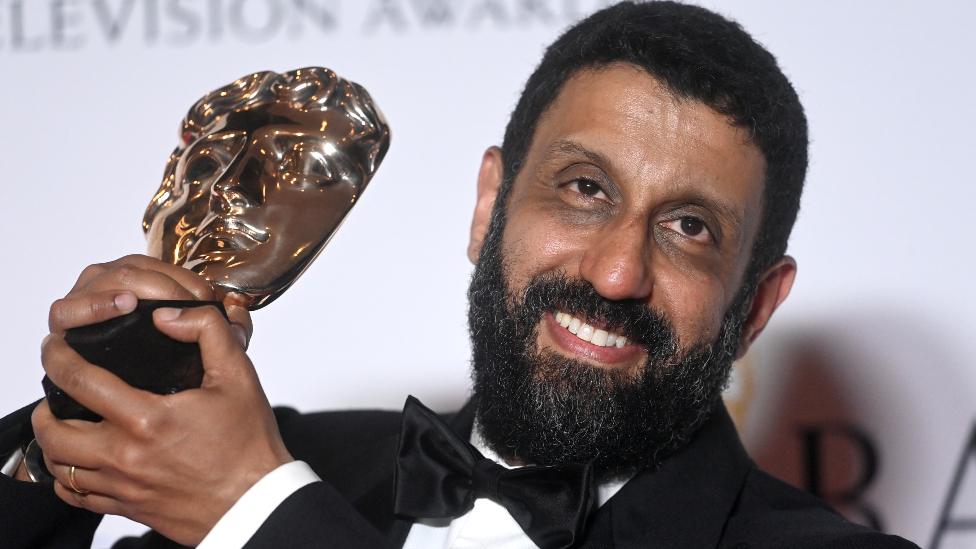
[
  {"x": 221, "y": 242},
  {"x": 232, "y": 233}
]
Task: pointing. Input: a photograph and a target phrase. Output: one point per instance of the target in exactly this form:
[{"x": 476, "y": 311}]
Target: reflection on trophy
[{"x": 266, "y": 169}]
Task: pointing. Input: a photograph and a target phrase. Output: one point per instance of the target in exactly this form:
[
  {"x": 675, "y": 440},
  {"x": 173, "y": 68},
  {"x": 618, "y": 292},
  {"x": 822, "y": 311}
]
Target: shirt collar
[{"x": 605, "y": 490}]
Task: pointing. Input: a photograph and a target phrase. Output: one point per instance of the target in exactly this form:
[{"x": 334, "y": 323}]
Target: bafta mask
[{"x": 266, "y": 169}]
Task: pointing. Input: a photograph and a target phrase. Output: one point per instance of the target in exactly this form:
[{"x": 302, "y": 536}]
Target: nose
[
  {"x": 230, "y": 190},
  {"x": 617, "y": 261},
  {"x": 225, "y": 196}
]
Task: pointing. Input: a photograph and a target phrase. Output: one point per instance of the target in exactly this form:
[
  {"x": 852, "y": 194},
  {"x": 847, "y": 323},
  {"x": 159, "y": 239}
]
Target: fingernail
[
  {"x": 240, "y": 334},
  {"x": 235, "y": 299},
  {"x": 168, "y": 313},
  {"x": 125, "y": 302}
]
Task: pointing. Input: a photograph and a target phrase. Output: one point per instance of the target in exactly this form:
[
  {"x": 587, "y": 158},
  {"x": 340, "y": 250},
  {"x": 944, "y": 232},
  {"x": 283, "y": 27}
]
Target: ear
[
  {"x": 773, "y": 288},
  {"x": 489, "y": 180}
]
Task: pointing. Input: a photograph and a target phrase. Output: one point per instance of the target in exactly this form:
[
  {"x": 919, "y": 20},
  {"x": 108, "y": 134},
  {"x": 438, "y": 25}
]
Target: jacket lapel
[{"x": 685, "y": 502}]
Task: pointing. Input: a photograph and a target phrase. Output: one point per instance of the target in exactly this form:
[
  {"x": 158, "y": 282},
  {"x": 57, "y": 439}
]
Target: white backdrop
[{"x": 876, "y": 338}]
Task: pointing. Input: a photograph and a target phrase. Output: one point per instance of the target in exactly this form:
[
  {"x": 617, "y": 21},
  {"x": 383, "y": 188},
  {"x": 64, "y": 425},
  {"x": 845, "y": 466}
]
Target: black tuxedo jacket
[{"x": 707, "y": 495}]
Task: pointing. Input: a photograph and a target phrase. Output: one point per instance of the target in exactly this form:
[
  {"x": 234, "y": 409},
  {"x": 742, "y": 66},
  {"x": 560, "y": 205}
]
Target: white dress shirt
[
  {"x": 248, "y": 513},
  {"x": 10, "y": 467}
]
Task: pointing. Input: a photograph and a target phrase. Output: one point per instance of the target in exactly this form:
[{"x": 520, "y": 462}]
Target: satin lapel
[
  {"x": 371, "y": 466},
  {"x": 686, "y": 502}
]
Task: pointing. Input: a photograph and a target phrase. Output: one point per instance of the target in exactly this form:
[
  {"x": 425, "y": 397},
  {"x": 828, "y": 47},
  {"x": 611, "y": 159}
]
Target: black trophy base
[{"x": 132, "y": 348}]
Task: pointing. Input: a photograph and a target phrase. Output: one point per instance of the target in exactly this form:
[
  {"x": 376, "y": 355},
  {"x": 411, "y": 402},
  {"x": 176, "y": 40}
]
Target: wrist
[
  {"x": 32, "y": 467},
  {"x": 21, "y": 473}
]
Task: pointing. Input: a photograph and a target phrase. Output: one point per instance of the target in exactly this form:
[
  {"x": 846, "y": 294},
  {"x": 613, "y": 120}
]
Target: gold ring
[{"x": 72, "y": 484}]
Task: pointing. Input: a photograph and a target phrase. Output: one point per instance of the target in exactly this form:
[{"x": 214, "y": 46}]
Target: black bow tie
[{"x": 439, "y": 475}]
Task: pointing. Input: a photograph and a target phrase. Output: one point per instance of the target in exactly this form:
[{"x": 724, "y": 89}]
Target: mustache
[{"x": 631, "y": 318}]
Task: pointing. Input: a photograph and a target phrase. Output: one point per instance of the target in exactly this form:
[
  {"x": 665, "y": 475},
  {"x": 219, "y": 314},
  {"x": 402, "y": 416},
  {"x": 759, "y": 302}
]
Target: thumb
[{"x": 220, "y": 346}]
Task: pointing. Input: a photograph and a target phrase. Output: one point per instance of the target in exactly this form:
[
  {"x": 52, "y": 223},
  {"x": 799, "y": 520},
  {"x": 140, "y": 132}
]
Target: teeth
[
  {"x": 574, "y": 325},
  {"x": 584, "y": 331}
]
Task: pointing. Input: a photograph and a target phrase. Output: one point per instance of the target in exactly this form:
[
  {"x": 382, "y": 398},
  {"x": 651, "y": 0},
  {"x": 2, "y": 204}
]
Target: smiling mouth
[
  {"x": 590, "y": 340},
  {"x": 590, "y": 334}
]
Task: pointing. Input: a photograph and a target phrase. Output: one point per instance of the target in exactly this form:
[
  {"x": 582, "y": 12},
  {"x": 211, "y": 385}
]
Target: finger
[
  {"x": 93, "y": 501},
  {"x": 70, "y": 442},
  {"x": 219, "y": 348},
  {"x": 95, "y": 388},
  {"x": 82, "y": 310},
  {"x": 240, "y": 317},
  {"x": 83, "y": 478},
  {"x": 74, "y": 477},
  {"x": 144, "y": 283},
  {"x": 194, "y": 283}
]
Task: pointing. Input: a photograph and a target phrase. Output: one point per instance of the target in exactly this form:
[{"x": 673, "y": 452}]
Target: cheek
[
  {"x": 308, "y": 215},
  {"x": 694, "y": 302},
  {"x": 535, "y": 243}
]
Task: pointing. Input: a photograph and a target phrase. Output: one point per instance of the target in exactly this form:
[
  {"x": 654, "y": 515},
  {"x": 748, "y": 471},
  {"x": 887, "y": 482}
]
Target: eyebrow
[{"x": 565, "y": 147}]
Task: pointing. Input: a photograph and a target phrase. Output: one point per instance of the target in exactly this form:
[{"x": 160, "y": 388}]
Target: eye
[
  {"x": 691, "y": 227},
  {"x": 309, "y": 168},
  {"x": 319, "y": 167},
  {"x": 587, "y": 187},
  {"x": 200, "y": 168}
]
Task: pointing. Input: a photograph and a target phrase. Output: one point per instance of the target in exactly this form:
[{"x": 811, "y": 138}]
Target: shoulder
[
  {"x": 771, "y": 514},
  {"x": 324, "y": 437},
  {"x": 345, "y": 424}
]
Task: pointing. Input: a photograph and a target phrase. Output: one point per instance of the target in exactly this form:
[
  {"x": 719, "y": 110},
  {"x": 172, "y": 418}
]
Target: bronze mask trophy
[{"x": 266, "y": 169}]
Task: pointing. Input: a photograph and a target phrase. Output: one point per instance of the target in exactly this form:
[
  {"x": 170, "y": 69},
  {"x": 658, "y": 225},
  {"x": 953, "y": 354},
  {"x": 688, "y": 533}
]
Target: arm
[
  {"x": 32, "y": 516},
  {"x": 317, "y": 516},
  {"x": 281, "y": 495},
  {"x": 176, "y": 463}
]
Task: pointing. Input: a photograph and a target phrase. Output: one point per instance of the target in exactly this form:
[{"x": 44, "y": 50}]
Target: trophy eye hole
[
  {"x": 201, "y": 168},
  {"x": 318, "y": 166}
]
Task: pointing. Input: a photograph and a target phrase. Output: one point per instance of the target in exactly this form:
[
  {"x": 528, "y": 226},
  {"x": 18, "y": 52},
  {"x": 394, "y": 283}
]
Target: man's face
[
  {"x": 630, "y": 222},
  {"x": 256, "y": 199}
]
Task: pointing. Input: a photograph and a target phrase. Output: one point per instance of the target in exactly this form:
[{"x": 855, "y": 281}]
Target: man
[{"x": 629, "y": 240}]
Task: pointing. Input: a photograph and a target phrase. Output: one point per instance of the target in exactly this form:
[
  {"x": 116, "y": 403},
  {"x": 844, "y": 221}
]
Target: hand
[
  {"x": 177, "y": 462},
  {"x": 119, "y": 283}
]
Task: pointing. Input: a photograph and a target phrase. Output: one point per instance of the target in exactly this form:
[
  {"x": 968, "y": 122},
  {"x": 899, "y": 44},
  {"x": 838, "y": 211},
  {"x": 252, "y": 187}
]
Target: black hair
[{"x": 698, "y": 55}]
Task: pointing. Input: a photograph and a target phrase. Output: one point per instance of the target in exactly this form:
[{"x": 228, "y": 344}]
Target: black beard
[{"x": 542, "y": 408}]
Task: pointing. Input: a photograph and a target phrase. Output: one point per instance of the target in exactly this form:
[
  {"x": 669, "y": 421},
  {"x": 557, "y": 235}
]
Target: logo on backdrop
[
  {"x": 952, "y": 520},
  {"x": 834, "y": 456},
  {"x": 75, "y": 25}
]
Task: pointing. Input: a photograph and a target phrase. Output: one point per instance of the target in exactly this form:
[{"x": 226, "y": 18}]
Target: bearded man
[{"x": 629, "y": 240}]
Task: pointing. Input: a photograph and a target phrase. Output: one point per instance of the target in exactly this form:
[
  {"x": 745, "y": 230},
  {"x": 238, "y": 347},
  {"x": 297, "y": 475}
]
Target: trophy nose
[
  {"x": 230, "y": 193},
  {"x": 229, "y": 198}
]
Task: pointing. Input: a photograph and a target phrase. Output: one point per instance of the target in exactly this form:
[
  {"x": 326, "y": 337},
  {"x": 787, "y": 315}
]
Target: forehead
[
  {"x": 650, "y": 139},
  {"x": 283, "y": 113}
]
